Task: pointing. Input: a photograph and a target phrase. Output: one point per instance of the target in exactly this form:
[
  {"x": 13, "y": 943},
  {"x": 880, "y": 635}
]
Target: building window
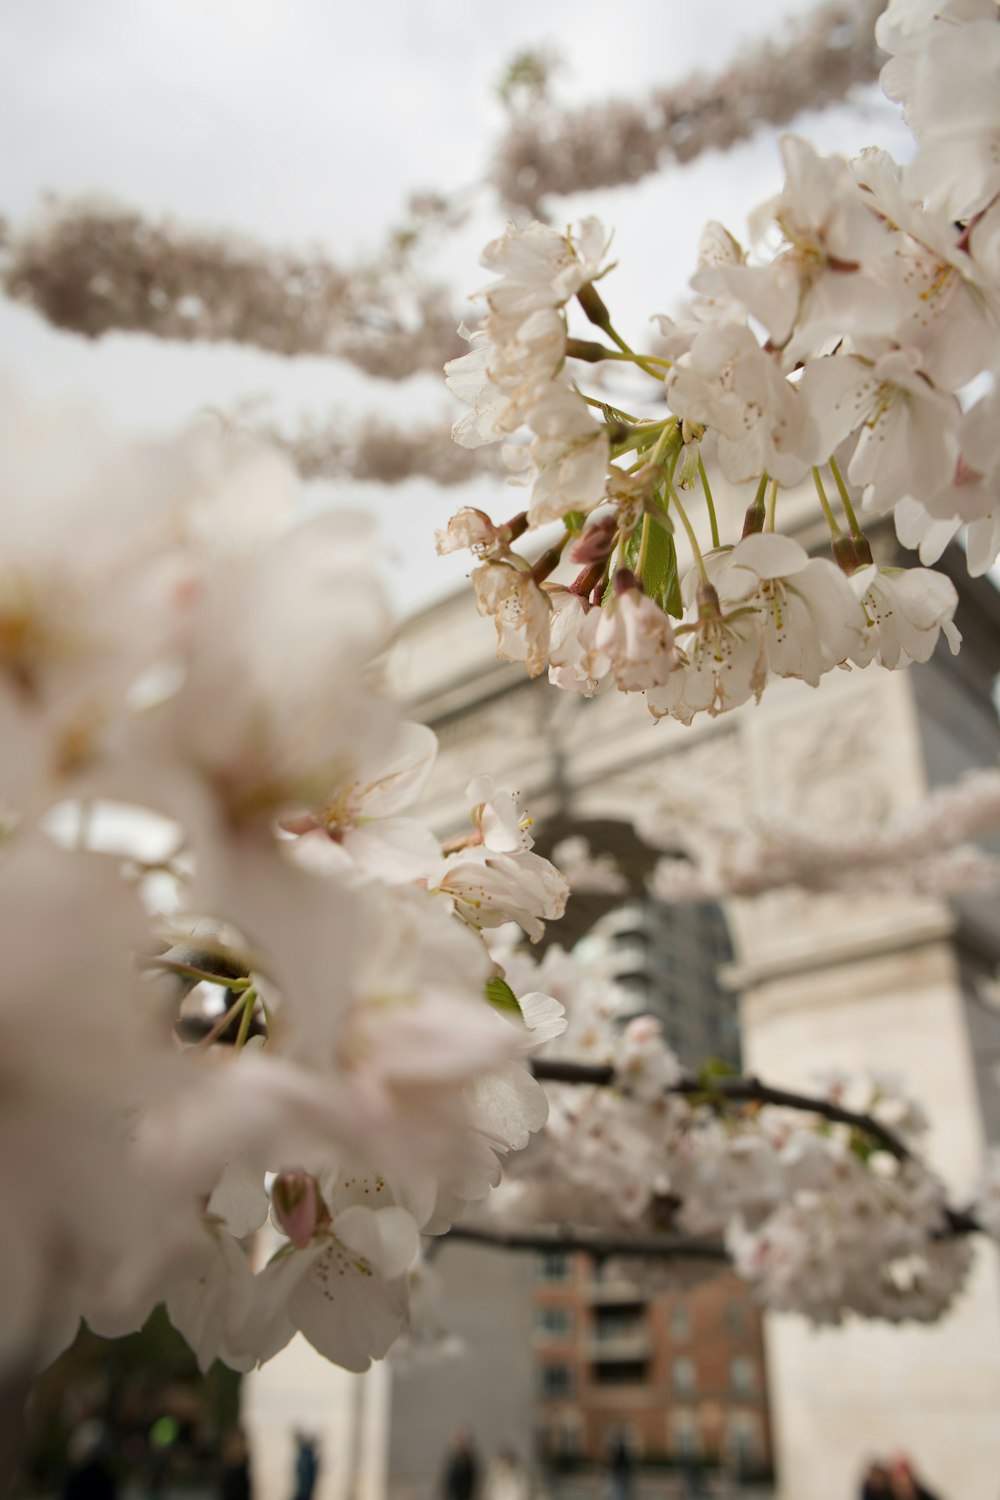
[
  {"x": 742, "y": 1375},
  {"x": 553, "y": 1265},
  {"x": 685, "y": 1439},
  {"x": 554, "y": 1322},
  {"x": 624, "y": 1435},
  {"x": 685, "y": 1376},
  {"x": 564, "y": 1438},
  {"x": 680, "y": 1323},
  {"x": 620, "y": 1372},
  {"x": 556, "y": 1380},
  {"x": 736, "y": 1318},
  {"x": 743, "y": 1441}
]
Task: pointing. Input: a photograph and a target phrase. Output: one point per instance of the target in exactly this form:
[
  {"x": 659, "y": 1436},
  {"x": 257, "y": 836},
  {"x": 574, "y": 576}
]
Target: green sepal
[
  {"x": 574, "y": 521},
  {"x": 500, "y": 995}
]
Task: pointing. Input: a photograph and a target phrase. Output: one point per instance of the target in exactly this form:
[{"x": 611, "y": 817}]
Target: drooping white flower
[
  {"x": 721, "y": 663},
  {"x": 571, "y": 665},
  {"x": 473, "y": 529},
  {"x": 489, "y": 889},
  {"x": 907, "y": 609},
  {"x": 570, "y": 453},
  {"x": 521, "y": 612},
  {"x": 810, "y": 617},
  {"x": 633, "y": 639}
]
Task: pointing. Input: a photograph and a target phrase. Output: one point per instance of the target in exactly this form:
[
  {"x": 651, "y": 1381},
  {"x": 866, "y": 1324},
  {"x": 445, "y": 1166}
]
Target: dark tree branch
[
  {"x": 728, "y": 1090},
  {"x": 601, "y": 1246}
]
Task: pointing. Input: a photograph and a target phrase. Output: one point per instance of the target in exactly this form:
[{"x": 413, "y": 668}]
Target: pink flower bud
[
  {"x": 597, "y": 542},
  {"x": 296, "y": 1203}
]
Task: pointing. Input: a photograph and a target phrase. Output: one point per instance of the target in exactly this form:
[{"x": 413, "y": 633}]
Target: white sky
[{"x": 305, "y": 122}]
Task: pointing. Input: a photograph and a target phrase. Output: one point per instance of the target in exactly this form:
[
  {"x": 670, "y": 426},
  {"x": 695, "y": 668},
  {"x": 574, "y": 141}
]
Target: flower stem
[
  {"x": 709, "y": 501},
  {"x": 614, "y": 410},
  {"x": 831, "y": 519},
  {"x": 221, "y": 1024},
  {"x": 845, "y": 498},
  {"x": 249, "y": 1000},
  {"x": 641, "y": 360},
  {"x": 647, "y": 522},
  {"x": 772, "y": 505},
  {"x": 699, "y": 561}
]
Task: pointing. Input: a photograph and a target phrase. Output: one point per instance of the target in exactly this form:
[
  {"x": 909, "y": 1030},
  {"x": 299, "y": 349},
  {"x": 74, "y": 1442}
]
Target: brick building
[{"x": 678, "y": 1374}]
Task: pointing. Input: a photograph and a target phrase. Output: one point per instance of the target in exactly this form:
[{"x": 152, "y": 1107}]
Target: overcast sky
[{"x": 308, "y": 122}]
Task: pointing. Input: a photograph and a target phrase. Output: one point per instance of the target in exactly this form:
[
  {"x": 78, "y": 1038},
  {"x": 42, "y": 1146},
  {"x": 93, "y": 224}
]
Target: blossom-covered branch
[
  {"x": 921, "y": 848},
  {"x": 93, "y": 268},
  {"x": 371, "y": 449},
  {"x": 549, "y": 152}
]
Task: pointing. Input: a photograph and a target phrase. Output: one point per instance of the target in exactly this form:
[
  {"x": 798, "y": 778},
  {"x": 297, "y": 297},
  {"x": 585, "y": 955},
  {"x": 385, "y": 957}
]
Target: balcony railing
[
  {"x": 616, "y": 1291},
  {"x": 626, "y": 1347}
]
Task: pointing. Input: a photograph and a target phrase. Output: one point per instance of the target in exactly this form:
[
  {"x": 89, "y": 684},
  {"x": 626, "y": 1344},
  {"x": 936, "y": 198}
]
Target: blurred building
[{"x": 677, "y": 1374}]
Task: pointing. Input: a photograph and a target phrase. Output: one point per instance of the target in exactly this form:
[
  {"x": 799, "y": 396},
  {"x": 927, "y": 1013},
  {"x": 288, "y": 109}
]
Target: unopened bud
[
  {"x": 625, "y": 580},
  {"x": 687, "y": 469},
  {"x": 594, "y": 306},
  {"x": 753, "y": 521},
  {"x": 845, "y": 554},
  {"x": 297, "y": 1206},
  {"x": 586, "y": 349},
  {"x": 863, "y": 548},
  {"x": 596, "y": 543}
]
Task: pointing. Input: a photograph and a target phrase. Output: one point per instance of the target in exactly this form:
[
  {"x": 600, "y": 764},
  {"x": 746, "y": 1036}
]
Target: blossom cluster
[
  {"x": 240, "y": 981},
  {"x": 854, "y": 347},
  {"x": 819, "y": 1218}
]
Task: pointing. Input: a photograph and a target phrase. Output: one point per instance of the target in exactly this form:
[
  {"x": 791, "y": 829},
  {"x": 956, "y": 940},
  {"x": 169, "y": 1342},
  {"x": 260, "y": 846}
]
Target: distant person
[
  {"x": 875, "y": 1482},
  {"x": 904, "y": 1484},
  {"x": 306, "y": 1466},
  {"x": 507, "y": 1478},
  {"x": 234, "y": 1478},
  {"x": 620, "y": 1467},
  {"x": 461, "y": 1473},
  {"x": 90, "y": 1476}
]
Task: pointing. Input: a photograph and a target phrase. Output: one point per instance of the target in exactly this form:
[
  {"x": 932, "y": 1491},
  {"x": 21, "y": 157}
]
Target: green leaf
[
  {"x": 501, "y": 996},
  {"x": 659, "y": 574},
  {"x": 713, "y": 1068}
]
